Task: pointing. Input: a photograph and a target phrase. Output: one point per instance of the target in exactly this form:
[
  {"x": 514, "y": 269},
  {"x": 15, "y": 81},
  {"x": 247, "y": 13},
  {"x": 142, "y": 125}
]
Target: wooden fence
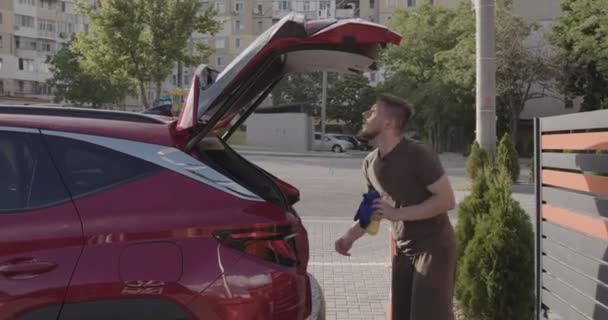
[{"x": 571, "y": 168}]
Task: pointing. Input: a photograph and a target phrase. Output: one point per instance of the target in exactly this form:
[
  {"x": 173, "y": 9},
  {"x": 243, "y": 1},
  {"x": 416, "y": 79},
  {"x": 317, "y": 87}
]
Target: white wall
[{"x": 285, "y": 131}]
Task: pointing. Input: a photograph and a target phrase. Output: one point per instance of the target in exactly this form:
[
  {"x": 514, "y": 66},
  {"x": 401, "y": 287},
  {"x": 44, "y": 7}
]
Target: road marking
[{"x": 349, "y": 264}]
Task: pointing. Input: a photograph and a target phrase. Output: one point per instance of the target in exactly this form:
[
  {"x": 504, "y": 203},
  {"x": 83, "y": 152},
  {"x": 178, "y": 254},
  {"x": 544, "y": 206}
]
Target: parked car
[
  {"x": 115, "y": 215},
  {"x": 357, "y": 145},
  {"x": 328, "y": 142}
]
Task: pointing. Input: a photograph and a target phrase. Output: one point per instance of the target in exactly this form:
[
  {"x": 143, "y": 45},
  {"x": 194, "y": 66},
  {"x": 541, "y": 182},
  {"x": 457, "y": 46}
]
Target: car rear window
[{"x": 87, "y": 168}]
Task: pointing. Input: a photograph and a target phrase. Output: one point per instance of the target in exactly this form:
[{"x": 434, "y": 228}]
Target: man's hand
[
  {"x": 387, "y": 211},
  {"x": 343, "y": 245}
]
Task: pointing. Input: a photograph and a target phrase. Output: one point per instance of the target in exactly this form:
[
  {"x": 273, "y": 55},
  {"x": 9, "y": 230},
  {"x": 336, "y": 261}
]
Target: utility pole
[
  {"x": 485, "y": 132},
  {"x": 324, "y": 103}
]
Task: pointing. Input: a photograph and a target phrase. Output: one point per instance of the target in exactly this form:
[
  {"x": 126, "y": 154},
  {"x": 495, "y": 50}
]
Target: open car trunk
[
  {"x": 216, "y": 153},
  {"x": 225, "y": 100}
]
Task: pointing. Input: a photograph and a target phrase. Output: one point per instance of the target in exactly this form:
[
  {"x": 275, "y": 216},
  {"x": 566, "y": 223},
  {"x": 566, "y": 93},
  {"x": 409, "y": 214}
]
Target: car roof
[{"x": 115, "y": 124}]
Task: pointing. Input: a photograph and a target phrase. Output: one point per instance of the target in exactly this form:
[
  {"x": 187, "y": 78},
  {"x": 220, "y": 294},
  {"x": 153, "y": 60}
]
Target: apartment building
[{"x": 30, "y": 31}]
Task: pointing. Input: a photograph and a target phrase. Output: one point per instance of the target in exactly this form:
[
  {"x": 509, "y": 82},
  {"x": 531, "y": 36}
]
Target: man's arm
[{"x": 440, "y": 201}]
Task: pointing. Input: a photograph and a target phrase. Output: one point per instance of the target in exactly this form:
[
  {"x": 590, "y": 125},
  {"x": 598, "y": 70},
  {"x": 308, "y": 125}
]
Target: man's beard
[{"x": 367, "y": 134}]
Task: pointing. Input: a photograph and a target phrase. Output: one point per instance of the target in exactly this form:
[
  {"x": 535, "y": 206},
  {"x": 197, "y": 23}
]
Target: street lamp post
[{"x": 485, "y": 132}]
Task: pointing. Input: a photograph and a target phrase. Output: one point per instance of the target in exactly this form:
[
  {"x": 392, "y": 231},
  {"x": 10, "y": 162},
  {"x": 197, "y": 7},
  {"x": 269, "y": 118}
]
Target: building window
[
  {"x": 219, "y": 61},
  {"x": 0, "y": 41},
  {"x": 0, "y": 17},
  {"x": 44, "y": 3},
  {"x": 30, "y": 2},
  {"x": 237, "y": 42},
  {"x": 391, "y": 3},
  {"x": 25, "y": 21},
  {"x": 220, "y": 7},
  {"x": 238, "y": 25},
  {"x": 46, "y": 25},
  {"x": 431, "y": 2},
  {"x": 26, "y": 65},
  {"x": 284, "y": 5},
  {"x": 238, "y": 7},
  {"x": 324, "y": 5},
  {"x": 306, "y": 5},
  {"x": 220, "y": 43},
  {"x": 260, "y": 26},
  {"x": 372, "y": 4},
  {"x": 64, "y": 6},
  {"x": 259, "y": 9},
  {"x": 21, "y": 84},
  {"x": 174, "y": 80},
  {"x": 411, "y": 3}
]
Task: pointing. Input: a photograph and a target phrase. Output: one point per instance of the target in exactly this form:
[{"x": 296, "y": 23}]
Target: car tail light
[{"x": 275, "y": 243}]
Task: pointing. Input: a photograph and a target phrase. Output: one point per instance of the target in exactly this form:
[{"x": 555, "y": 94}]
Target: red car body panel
[{"x": 38, "y": 251}]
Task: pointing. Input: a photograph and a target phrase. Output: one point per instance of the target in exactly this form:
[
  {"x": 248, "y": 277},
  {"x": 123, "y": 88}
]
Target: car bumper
[{"x": 318, "y": 300}]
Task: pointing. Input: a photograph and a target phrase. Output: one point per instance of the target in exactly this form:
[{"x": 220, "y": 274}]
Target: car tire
[{"x": 337, "y": 149}]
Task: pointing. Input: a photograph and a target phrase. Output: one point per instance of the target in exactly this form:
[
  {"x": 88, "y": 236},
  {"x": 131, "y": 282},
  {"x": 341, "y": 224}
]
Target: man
[{"x": 416, "y": 196}]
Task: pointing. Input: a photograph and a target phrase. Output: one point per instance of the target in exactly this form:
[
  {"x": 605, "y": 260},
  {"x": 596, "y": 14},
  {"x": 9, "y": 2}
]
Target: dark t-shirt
[{"x": 402, "y": 177}]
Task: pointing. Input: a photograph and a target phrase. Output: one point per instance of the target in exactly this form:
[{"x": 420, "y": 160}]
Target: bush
[
  {"x": 507, "y": 157},
  {"x": 477, "y": 160},
  {"x": 469, "y": 211},
  {"x": 496, "y": 276}
]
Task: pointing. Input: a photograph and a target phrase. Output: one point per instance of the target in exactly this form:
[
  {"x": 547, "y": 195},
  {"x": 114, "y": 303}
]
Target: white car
[{"x": 329, "y": 143}]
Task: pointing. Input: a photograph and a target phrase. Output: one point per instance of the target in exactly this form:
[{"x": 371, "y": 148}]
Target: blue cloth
[{"x": 366, "y": 209}]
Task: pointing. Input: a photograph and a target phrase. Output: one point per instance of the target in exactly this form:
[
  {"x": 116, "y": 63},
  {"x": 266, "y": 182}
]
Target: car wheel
[{"x": 337, "y": 149}]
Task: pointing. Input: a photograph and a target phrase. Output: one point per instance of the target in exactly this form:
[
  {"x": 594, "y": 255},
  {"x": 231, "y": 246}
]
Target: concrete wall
[{"x": 287, "y": 131}]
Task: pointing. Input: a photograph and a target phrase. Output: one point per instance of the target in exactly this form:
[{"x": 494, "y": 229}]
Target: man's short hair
[{"x": 398, "y": 107}]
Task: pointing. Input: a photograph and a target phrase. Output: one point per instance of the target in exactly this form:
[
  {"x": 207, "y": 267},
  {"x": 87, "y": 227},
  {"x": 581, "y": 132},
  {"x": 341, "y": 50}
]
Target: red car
[{"x": 110, "y": 215}]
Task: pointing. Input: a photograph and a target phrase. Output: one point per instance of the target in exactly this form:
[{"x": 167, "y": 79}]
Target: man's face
[{"x": 374, "y": 122}]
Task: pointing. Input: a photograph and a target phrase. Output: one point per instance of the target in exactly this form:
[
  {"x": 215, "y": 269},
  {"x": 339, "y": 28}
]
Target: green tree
[
  {"x": 417, "y": 72},
  {"x": 348, "y": 97},
  {"x": 523, "y": 70},
  {"x": 142, "y": 39},
  {"x": 507, "y": 157},
  {"x": 496, "y": 277},
  {"x": 299, "y": 88},
  {"x": 581, "y": 41},
  {"x": 72, "y": 84}
]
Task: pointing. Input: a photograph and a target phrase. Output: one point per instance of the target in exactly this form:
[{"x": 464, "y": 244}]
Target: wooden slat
[
  {"x": 586, "y": 305},
  {"x": 560, "y": 309},
  {"x": 575, "y": 141},
  {"x": 576, "y": 181},
  {"x": 573, "y": 240},
  {"x": 587, "y": 286},
  {"x": 576, "y": 161},
  {"x": 595, "y": 227},
  {"x": 595, "y": 268},
  {"x": 576, "y": 121},
  {"x": 588, "y": 204}
]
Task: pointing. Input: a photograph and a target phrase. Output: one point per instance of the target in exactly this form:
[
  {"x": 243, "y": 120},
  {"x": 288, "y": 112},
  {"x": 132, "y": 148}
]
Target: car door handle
[{"x": 25, "y": 268}]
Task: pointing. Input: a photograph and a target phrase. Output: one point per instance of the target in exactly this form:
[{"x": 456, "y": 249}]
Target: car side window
[
  {"x": 87, "y": 168},
  {"x": 29, "y": 178}
]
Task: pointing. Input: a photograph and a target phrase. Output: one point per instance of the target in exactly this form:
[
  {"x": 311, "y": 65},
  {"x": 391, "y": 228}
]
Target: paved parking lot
[{"x": 355, "y": 287}]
